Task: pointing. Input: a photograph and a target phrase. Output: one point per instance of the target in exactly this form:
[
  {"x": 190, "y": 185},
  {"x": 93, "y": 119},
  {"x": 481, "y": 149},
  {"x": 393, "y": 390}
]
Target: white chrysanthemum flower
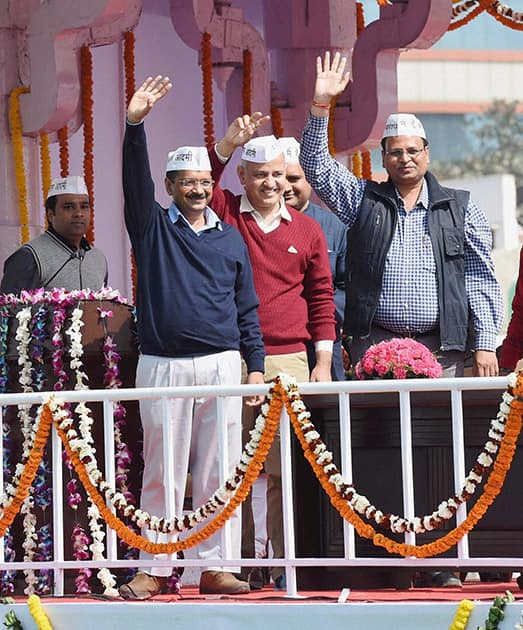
[{"x": 484, "y": 459}]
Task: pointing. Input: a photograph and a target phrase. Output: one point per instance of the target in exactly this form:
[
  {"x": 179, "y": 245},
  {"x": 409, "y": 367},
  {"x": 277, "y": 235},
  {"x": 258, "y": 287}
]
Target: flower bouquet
[{"x": 398, "y": 358}]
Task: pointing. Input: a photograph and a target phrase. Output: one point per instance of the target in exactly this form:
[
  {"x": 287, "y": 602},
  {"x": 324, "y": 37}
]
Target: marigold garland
[
  {"x": 505, "y": 15},
  {"x": 366, "y": 165},
  {"x": 17, "y": 141},
  {"x": 277, "y": 126},
  {"x": 491, "y": 489},
  {"x": 208, "y": 121},
  {"x": 360, "y": 18},
  {"x": 461, "y": 618},
  {"x": 30, "y": 469},
  {"x": 45, "y": 165},
  {"x": 280, "y": 394},
  {"x": 129, "y": 41},
  {"x": 247, "y": 82},
  {"x": 38, "y": 614},
  {"x": 477, "y": 7},
  {"x": 130, "y": 88},
  {"x": 136, "y": 540},
  {"x": 63, "y": 140},
  {"x": 86, "y": 62},
  {"x": 357, "y": 164}
]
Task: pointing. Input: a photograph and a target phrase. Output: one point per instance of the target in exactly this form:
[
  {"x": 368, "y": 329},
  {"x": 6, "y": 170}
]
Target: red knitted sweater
[{"x": 291, "y": 269}]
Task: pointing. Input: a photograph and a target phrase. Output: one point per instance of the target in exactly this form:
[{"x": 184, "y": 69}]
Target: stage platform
[{"x": 384, "y": 609}]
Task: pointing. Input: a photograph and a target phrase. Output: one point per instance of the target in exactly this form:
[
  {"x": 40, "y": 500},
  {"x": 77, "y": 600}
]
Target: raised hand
[
  {"x": 331, "y": 78},
  {"x": 240, "y": 131},
  {"x": 146, "y": 96}
]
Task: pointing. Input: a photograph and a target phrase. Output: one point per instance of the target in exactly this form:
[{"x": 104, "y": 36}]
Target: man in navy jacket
[{"x": 197, "y": 310}]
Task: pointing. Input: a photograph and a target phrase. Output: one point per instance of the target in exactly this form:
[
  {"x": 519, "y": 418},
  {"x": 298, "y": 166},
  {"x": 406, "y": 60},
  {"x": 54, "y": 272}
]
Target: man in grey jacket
[{"x": 61, "y": 257}]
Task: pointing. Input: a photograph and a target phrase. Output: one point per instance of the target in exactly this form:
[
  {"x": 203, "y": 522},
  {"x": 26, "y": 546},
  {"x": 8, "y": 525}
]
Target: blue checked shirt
[{"x": 409, "y": 296}]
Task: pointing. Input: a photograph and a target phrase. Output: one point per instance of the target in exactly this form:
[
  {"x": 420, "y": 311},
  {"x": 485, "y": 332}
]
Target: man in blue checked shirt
[{"x": 418, "y": 262}]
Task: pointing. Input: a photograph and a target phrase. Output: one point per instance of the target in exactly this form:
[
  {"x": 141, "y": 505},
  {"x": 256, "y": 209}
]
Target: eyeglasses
[
  {"x": 189, "y": 182},
  {"x": 412, "y": 152}
]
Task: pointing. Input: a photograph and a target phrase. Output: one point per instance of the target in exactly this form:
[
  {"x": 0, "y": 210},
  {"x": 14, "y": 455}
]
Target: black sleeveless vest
[{"x": 368, "y": 243}]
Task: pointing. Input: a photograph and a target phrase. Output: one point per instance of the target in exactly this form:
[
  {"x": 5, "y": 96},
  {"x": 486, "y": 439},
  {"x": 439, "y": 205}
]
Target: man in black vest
[
  {"x": 418, "y": 254},
  {"x": 61, "y": 257}
]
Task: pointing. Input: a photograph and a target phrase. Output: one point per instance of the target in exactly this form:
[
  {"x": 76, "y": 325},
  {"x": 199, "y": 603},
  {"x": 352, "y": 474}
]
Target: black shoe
[
  {"x": 258, "y": 578},
  {"x": 436, "y": 579},
  {"x": 445, "y": 579},
  {"x": 280, "y": 583}
]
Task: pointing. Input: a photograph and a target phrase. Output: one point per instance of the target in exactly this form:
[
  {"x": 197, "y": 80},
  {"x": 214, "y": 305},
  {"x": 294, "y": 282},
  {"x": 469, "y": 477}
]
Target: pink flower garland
[
  {"x": 398, "y": 358},
  {"x": 123, "y": 454}
]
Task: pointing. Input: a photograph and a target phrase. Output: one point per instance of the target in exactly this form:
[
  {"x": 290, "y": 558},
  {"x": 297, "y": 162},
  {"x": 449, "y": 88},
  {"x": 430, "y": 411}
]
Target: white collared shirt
[
  {"x": 270, "y": 224},
  {"x": 211, "y": 219}
]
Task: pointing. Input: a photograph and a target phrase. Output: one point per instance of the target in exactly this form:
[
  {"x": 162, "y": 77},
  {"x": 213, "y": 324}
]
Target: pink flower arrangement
[{"x": 398, "y": 358}]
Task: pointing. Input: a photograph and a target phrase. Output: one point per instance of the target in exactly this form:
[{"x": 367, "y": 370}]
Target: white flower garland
[
  {"x": 363, "y": 506},
  {"x": 142, "y": 518},
  {"x": 76, "y": 351},
  {"x": 23, "y": 337},
  {"x": 324, "y": 458}
]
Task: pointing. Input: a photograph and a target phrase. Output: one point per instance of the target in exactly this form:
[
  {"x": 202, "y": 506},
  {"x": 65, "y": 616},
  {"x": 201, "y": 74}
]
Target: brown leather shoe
[
  {"x": 216, "y": 582},
  {"x": 143, "y": 586}
]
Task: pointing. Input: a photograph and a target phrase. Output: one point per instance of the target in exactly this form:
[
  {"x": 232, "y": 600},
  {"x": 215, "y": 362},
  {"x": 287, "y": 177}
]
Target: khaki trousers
[{"x": 294, "y": 365}]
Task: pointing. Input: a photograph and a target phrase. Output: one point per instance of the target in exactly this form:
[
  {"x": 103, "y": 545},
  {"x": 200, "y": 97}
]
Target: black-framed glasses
[
  {"x": 191, "y": 182},
  {"x": 412, "y": 152}
]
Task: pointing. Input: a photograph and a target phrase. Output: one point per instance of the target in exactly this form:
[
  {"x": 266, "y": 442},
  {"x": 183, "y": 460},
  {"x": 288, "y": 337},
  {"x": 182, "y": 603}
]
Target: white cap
[
  {"x": 291, "y": 150},
  {"x": 188, "y": 159},
  {"x": 73, "y": 185},
  {"x": 404, "y": 125},
  {"x": 262, "y": 149}
]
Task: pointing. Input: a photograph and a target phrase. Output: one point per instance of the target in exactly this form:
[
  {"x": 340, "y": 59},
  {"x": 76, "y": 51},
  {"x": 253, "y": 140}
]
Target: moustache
[{"x": 196, "y": 196}]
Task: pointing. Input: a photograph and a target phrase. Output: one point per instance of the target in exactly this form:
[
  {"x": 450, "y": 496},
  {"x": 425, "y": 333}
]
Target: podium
[{"x": 103, "y": 320}]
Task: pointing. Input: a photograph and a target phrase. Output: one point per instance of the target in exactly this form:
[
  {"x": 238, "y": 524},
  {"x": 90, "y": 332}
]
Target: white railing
[{"x": 344, "y": 391}]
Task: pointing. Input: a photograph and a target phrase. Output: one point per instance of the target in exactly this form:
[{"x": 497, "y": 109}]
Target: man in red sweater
[{"x": 293, "y": 281}]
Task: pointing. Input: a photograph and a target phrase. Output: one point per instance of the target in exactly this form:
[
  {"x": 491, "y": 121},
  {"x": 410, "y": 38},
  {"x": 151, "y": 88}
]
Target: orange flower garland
[
  {"x": 356, "y": 164},
  {"x": 136, "y": 540},
  {"x": 86, "y": 62},
  {"x": 208, "y": 122},
  {"x": 247, "y": 82},
  {"x": 280, "y": 395},
  {"x": 366, "y": 166},
  {"x": 130, "y": 88},
  {"x": 30, "y": 469},
  {"x": 491, "y": 489},
  {"x": 277, "y": 127},
  {"x": 63, "y": 139},
  {"x": 45, "y": 165},
  {"x": 360, "y": 18},
  {"x": 129, "y": 41},
  {"x": 17, "y": 141}
]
